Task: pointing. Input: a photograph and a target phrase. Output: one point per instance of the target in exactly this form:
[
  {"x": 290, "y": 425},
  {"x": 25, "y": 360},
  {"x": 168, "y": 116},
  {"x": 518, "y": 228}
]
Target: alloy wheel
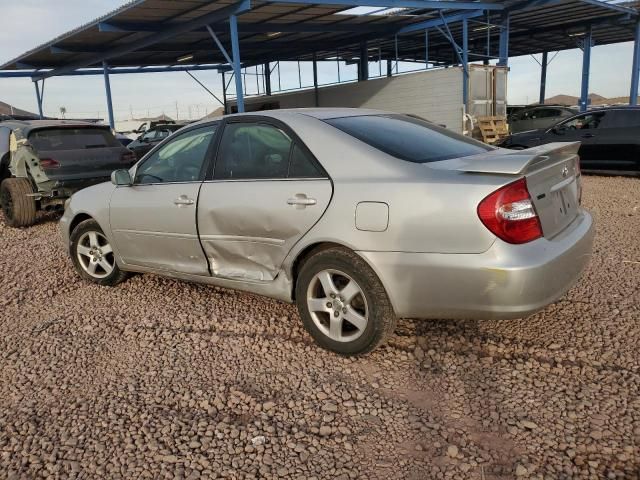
[
  {"x": 337, "y": 305},
  {"x": 95, "y": 254}
]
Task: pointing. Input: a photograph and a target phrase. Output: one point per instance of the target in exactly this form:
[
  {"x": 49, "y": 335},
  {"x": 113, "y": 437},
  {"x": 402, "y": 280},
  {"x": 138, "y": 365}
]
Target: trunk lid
[
  {"x": 552, "y": 175},
  {"x": 84, "y": 164},
  {"x": 79, "y": 152}
]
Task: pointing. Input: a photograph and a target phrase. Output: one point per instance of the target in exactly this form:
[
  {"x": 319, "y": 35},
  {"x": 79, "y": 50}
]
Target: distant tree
[{"x": 63, "y": 111}]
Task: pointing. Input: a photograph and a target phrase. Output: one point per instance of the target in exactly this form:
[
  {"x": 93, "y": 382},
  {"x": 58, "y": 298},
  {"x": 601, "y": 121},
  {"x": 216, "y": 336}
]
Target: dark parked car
[
  {"x": 123, "y": 139},
  {"x": 43, "y": 162},
  {"x": 151, "y": 138},
  {"x": 610, "y": 138},
  {"x": 542, "y": 116}
]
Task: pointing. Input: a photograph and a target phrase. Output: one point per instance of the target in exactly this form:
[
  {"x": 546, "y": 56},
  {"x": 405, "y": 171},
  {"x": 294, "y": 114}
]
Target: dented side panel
[{"x": 247, "y": 228}]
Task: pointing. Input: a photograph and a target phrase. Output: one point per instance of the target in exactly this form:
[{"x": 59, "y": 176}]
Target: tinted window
[
  {"x": 253, "y": 150},
  {"x": 408, "y": 138},
  {"x": 180, "y": 160},
  {"x": 301, "y": 165},
  {"x": 150, "y": 136},
  {"x": 72, "y": 139},
  {"x": 588, "y": 121},
  {"x": 547, "y": 113},
  {"x": 623, "y": 118}
]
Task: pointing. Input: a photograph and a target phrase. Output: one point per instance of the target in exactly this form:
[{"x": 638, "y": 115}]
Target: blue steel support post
[
  {"x": 107, "y": 89},
  {"x": 426, "y": 48},
  {"x": 224, "y": 93},
  {"x": 504, "y": 42},
  {"x": 38, "y": 99},
  {"x": 586, "y": 64},
  {"x": 315, "y": 80},
  {"x": 635, "y": 70},
  {"x": 465, "y": 64},
  {"x": 543, "y": 77},
  {"x": 235, "y": 51}
]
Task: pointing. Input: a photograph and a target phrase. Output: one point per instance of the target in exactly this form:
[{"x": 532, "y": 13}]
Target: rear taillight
[
  {"x": 510, "y": 215},
  {"x": 48, "y": 163},
  {"x": 128, "y": 157}
]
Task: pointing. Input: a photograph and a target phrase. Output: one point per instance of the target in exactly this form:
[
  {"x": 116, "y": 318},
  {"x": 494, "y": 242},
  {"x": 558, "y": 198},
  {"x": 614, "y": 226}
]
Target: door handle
[
  {"x": 183, "y": 200},
  {"x": 588, "y": 135},
  {"x": 301, "y": 200}
]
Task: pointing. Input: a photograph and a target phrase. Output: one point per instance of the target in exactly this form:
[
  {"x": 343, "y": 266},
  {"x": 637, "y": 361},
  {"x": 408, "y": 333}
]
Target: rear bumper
[
  {"x": 506, "y": 281},
  {"x": 64, "y": 188}
]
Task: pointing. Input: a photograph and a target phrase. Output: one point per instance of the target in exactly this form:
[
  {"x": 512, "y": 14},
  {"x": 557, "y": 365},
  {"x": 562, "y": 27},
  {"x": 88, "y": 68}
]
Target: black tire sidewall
[
  {"x": 114, "y": 277},
  {"x": 375, "y": 296},
  {"x": 23, "y": 211}
]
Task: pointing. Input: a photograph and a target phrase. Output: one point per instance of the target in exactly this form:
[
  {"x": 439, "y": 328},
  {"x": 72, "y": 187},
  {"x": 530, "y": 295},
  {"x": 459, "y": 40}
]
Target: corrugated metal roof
[{"x": 556, "y": 26}]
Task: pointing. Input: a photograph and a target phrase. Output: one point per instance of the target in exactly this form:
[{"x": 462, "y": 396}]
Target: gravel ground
[{"x": 161, "y": 379}]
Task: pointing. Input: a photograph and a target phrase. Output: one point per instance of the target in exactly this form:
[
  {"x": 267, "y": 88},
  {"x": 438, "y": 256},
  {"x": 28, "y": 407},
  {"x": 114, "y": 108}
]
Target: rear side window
[
  {"x": 547, "y": 113},
  {"x": 408, "y": 138},
  {"x": 622, "y": 119},
  {"x": 301, "y": 165},
  {"x": 261, "y": 151},
  {"x": 72, "y": 139}
]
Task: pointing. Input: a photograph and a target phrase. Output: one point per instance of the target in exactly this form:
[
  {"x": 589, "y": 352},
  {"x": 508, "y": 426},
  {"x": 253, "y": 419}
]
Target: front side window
[
  {"x": 180, "y": 160},
  {"x": 588, "y": 121},
  {"x": 408, "y": 138}
]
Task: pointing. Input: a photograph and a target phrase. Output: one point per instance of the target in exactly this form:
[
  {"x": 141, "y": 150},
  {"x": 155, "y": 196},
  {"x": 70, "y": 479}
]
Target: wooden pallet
[{"x": 493, "y": 129}]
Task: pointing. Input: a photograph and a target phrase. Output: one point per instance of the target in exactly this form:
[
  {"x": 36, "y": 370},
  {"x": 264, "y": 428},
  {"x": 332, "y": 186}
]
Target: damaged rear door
[{"x": 266, "y": 191}]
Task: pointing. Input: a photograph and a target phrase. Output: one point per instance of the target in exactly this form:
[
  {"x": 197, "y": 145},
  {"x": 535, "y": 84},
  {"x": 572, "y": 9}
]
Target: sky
[{"x": 174, "y": 93}]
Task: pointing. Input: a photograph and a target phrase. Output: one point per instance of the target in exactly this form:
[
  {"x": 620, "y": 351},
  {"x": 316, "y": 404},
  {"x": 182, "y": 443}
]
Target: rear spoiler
[{"x": 512, "y": 162}]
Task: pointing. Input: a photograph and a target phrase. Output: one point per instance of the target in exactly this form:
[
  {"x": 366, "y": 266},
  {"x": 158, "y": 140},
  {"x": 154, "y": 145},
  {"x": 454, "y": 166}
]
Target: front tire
[
  {"x": 18, "y": 207},
  {"x": 93, "y": 256},
  {"x": 342, "y": 302}
]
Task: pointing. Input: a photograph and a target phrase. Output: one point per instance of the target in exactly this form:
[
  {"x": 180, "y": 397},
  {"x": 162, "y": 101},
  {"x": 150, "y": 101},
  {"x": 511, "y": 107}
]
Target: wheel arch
[
  {"x": 306, "y": 253},
  {"x": 78, "y": 219}
]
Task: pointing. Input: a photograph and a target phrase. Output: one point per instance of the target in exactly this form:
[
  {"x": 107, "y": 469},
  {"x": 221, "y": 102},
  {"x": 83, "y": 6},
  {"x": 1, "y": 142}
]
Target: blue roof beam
[
  {"x": 118, "y": 71},
  {"x": 168, "y": 32},
  {"x": 438, "y": 22},
  {"x": 434, "y": 4},
  {"x": 301, "y": 27},
  {"x": 612, "y": 6}
]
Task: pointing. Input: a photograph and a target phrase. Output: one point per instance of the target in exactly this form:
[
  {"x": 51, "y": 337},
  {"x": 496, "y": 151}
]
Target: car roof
[
  {"x": 613, "y": 107},
  {"x": 26, "y": 126},
  {"x": 319, "y": 113}
]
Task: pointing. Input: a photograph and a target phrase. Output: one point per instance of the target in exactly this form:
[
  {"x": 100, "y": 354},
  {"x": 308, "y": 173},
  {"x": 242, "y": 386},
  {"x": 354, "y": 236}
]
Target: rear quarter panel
[{"x": 429, "y": 210}]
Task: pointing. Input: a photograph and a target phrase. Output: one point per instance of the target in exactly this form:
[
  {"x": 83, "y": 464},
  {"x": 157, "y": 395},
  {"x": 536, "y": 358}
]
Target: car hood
[{"x": 90, "y": 199}]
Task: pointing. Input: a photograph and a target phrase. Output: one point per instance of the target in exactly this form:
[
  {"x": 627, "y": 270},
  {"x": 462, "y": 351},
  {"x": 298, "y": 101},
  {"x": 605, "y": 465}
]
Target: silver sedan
[{"x": 357, "y": 216}]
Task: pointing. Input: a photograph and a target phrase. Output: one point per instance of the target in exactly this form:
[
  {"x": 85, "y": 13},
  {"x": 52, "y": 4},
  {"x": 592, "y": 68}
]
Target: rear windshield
[
  {"x": 408, "y": 138},
  {"x": 72, "y": 139}
]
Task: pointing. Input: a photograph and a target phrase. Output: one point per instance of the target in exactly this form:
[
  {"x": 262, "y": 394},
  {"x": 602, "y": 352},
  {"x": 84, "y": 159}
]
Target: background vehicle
[
  {"x": 610, "y": 138},
  {"x": 358, "y": 216},
  {"x": 151, "y": 138},
  {"x": 45, "y": 161},
  {"x": 531, "y": 118},
  {"x": 123, "y": 139}
]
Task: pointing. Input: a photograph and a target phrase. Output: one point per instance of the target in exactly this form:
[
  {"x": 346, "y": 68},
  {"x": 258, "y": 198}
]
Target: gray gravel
[{"x": 161, "y": 379}]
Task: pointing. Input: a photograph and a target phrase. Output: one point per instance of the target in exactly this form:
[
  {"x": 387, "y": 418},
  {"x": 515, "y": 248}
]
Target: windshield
[
  {"x": 72, "y": 139},
  {"x": 408, "y": 138}
]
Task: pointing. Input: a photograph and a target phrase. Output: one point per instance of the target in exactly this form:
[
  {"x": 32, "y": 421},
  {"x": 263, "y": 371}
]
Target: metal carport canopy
[{"x": 157, "y": 33}]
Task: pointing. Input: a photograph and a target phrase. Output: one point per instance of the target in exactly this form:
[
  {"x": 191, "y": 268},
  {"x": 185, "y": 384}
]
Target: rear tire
[
  {"x": 18, "y": 207},
  {"x": 93, "y": 255},
  {"x": 342, "y": 302}
]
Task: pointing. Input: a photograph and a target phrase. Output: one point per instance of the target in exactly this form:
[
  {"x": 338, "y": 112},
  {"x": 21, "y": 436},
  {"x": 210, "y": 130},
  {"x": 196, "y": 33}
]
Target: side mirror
[{"x": 121, "y": 178}]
